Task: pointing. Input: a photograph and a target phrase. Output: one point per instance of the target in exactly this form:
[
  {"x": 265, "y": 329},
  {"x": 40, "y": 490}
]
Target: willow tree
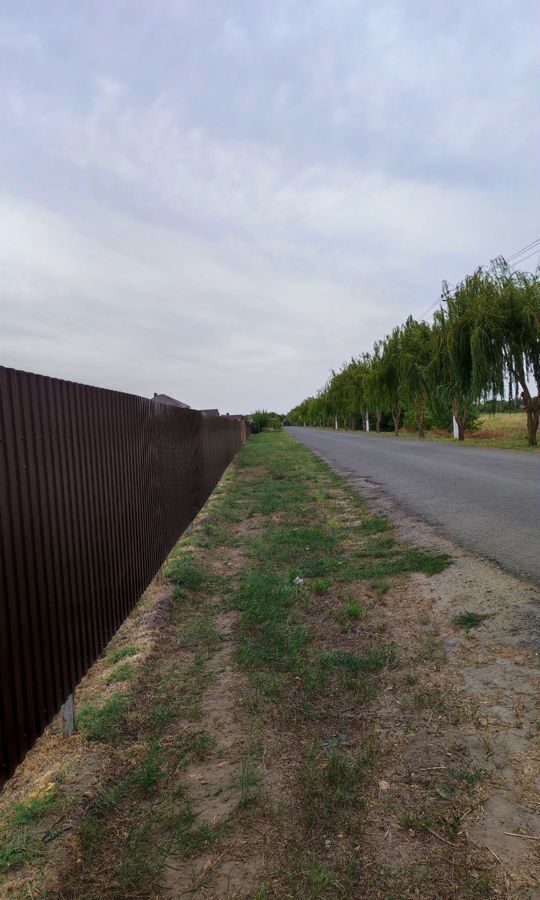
[
  {"x": 460, "y": 381},
  {"x": 390, "y": 378},
  {"x": 506, "y": 341},
  {"x": 357, "y": 374},
  {"x": 373, "y": 383},
  {"x": 415, "y": 357}
]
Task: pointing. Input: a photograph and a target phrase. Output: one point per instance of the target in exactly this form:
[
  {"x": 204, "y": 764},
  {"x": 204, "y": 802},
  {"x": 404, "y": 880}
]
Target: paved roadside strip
[{"x": 312, "y": 702}]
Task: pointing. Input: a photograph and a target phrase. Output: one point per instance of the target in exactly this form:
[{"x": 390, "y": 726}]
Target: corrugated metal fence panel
[{"x": 96, "y": 487}]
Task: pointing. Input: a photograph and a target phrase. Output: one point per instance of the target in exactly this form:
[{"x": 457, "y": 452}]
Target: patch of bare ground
[
  {"x": 213, "y": 785},
  {"x": 227, "y": 788},
  {"x": 461, "y": 719}
]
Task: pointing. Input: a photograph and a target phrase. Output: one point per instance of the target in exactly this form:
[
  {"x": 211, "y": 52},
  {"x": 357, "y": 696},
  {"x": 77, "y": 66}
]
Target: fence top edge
[{"x": 10, "y": 372}]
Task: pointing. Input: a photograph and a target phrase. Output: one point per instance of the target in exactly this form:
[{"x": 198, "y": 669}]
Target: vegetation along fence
[{"x": 96, "y": 486}]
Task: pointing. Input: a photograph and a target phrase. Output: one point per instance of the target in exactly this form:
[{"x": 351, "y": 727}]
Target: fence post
[{"x": 67, "y": 711}]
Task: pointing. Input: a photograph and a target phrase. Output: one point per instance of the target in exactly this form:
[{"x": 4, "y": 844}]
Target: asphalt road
[{"x": 486, "y": 500}]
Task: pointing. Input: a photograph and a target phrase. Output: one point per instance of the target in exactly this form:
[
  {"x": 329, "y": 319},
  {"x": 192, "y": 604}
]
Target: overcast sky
[{"x": 223, "y": 199}]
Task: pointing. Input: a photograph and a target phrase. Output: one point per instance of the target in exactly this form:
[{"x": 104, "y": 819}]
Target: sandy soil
[{"x": 493, "y": 671}]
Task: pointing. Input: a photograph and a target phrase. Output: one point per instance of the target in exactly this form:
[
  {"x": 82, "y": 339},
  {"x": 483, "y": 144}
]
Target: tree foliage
[{"x": 484, "y": 343}]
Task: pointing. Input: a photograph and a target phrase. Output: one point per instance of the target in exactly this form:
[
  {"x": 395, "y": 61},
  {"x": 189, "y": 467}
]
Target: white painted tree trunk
[
  {"x": 336, "y": 425},
  {"x": 456, "y": 428},
  {"x": 367, "y": 420}
]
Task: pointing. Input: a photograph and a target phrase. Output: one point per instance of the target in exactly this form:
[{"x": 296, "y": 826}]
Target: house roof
[
  {"x": 169, "y": 401},
  {"x": 210, "y": 412}
]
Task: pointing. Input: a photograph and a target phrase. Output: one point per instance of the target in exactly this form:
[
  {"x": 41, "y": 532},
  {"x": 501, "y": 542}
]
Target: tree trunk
[
  {"x": 533, "y": 420},
  {"x": 420, "y": 413},
  {"x": 460, "y": 419},
  {"x": 396, "y": 419},
  {"x": 532, "y": 404},
  {"x": 378, "y": 417}
]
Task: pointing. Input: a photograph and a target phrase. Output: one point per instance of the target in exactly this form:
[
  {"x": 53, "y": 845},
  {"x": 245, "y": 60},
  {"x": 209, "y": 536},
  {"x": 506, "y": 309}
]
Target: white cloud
[{"x": 229, "y": 246}]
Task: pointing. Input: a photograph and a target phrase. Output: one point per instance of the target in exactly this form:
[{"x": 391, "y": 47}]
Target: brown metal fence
[{"x": 96, "y": 486}]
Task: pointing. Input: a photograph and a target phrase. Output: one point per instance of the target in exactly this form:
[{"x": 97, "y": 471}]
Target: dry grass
[
  {"x": 506, "y": 431},
  {"x": 292, "y": 729}
]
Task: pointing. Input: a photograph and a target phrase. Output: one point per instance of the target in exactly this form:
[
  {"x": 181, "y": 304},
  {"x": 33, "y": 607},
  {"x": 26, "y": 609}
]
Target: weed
[
  {"x": 429, "y": 699},
  {"x": 468, "y": 620},
  {"x": 415, "y": 821},
  {"x": 467, "y": 777},
  {"x": 381, "y": 587},
  {"x": 354, "y": 610},
  {"x": 250, "y": 779},
  {"x": 321, "y": 586}
]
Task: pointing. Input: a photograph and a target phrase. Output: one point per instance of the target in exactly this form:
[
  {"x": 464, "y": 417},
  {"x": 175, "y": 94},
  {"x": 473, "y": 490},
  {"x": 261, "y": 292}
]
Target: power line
[
  {"x": 523, "y": 249},
  {"x": 534, "y": 253},
  {"x": 517, "y": 253}
]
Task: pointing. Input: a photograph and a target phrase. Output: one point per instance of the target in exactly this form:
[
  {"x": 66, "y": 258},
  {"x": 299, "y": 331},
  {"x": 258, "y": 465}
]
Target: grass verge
[{"x": 309, "y": 589}]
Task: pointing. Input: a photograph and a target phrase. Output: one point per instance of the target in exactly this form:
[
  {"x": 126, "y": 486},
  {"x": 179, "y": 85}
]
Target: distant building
[
  {"x": 210, "y": 412},
  {"x": 238, "y": 416},
  {"x": 169, "y": 401}
]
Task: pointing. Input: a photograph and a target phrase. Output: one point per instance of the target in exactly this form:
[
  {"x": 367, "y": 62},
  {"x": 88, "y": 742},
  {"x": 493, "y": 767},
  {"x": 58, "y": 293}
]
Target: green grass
[
  {"x": 506, "y": 431},
  {"x": 468, "y": 620},
  {"x": 333, "y": 780},
  {"x": 354, "y": 610},
  {"x": 250, "y": 779},
  {"x": 288, "y": 642},
  {"x": 271, "y": 636},
  {"x": 186, "y": 574},
  {"x": 14, "y": 851},
  {"x": 103, "y": 723},
  {"x": 21, "y": 833},
  {"x": 34, "y": 808},
  {"x": 377, "y": 659},
  {"x": 142, "y": 780},
  {"x": 121, "y": 653},
  {"x": 121, "y": 672}
]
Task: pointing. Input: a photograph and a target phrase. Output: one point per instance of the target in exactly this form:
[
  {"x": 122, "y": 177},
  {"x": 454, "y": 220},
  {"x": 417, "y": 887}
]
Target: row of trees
[{"x": 484, "y": 343}]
